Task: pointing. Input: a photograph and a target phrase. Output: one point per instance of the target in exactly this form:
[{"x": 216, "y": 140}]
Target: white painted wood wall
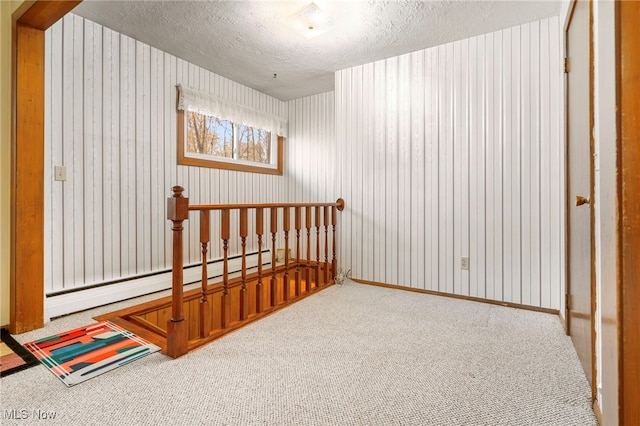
[
  {"x": 111, "y": 121},
  {"x": 451, "y": 151},
  {"x": 456, "y": 151}
]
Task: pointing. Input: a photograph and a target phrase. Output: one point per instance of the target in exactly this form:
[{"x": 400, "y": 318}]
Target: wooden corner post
[
  {"x": 334, "y": 222},
  {"x": 177, "y": 327}
]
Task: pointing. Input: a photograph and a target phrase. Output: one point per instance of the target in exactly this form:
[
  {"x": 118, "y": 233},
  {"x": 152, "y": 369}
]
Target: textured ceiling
[{"x": 249, "y": 41}]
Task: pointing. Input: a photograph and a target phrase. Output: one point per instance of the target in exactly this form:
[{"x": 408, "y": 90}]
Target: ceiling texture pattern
[{"x": 250, "y": 41}]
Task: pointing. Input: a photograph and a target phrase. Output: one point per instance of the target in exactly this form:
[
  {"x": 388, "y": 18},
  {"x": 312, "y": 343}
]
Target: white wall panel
[
  {"x": 310, "y": 160},
  {"x": 466, "y": 162},
  {"x": 112, "y": 122}
]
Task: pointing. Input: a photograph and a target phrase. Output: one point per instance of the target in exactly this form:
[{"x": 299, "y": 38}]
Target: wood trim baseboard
[
  {"x": 597, "y": 412},
  {"x": 563, "y": 321},
  {"x": 460, "y": 296}
]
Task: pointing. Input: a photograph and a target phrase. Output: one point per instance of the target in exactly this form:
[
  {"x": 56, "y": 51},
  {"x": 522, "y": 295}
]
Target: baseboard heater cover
[{"x": 87, "y": 298}]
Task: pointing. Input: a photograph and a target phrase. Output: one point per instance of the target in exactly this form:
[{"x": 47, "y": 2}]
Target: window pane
[
  {"x": 209, "y": 135},
  {"x": 254, "y": 144}
]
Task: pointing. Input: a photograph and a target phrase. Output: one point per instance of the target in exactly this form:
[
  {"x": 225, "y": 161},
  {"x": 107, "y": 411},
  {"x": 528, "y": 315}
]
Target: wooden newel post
[
  {"x": 177, "y": 327},
  {"x": 334, "y": 221}
]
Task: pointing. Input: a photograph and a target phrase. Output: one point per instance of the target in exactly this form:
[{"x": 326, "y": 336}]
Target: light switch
[{"x": 60, "y": 173}]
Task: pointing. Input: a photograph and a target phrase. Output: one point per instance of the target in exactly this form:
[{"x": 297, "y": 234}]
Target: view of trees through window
[{"x": 221, "y": 138}]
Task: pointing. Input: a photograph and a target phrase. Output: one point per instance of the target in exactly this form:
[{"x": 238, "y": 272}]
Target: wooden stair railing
[{"x": 312, "y": 272}]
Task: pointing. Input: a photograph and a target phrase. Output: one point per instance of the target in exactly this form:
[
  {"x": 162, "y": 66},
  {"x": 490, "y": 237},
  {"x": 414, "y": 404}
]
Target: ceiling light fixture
[{"x": 310, "y": 21}]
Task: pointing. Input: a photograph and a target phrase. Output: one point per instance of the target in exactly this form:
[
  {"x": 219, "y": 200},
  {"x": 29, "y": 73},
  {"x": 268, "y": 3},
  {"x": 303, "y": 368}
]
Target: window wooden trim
[{"x": 241, "y": 167}]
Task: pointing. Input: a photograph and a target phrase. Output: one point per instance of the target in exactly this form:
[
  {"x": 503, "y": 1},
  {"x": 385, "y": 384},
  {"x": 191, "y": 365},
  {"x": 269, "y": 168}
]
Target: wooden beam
[{"x": 43, "y": 14}]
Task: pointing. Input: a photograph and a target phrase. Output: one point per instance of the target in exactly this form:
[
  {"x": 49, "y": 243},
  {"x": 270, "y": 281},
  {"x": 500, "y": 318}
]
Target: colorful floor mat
[
  {"x": 83, "y": 353},
  {"x": 13, "y": 356}
]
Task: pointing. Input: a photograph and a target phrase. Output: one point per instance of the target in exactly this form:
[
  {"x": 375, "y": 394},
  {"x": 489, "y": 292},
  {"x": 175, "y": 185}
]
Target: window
[{"x": 214, "y": 133}]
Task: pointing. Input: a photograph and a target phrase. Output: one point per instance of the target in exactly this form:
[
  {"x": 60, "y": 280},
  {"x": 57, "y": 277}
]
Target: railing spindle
[
  {"x": 307, "y": 212},
  {"x": 318, "y": 281},
  {"x": 259, "y": 288},
  {"x": 298, "y": 221},
  {"x": 226, "y": 298},
  {"x": 274, "y": 282},
  {"x": 205, "y": 312},
  {"x": 286, "y": 225},
  {"x": 244, "y": 297},
  {"x": 326, "y": 244},
  {"x": 177, "y": 327}
]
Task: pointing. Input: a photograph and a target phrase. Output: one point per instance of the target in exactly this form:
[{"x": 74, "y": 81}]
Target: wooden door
[{"x": 580, "y": 173}]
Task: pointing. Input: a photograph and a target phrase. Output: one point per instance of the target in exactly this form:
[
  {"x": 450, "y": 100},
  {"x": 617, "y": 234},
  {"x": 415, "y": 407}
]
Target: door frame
[
  {"x": 26, "y": 286},
  {"x": 569, "y": 196},
  {"x": 627, "y": 15}
]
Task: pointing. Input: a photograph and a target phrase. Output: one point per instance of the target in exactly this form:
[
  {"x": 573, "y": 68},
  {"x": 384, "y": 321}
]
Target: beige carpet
[{"x": 350, "y": 355}]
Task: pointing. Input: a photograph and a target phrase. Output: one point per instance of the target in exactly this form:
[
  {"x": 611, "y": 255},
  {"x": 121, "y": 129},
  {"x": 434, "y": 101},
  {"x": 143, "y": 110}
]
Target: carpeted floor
[{"x": 349, "y": 355}]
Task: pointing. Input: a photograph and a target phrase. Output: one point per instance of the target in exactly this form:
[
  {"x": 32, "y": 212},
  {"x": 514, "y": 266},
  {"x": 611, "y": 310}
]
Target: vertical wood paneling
[
  {"x": 311, "y": 135},
  {"x": 418, "y": 189},
  {"x": 54, "y": 249},
  {"x": 534, "y": 159},
  {"x": 526, "y": 176},
  {"x": 431, "y": 133},
  {"x": 128, "y": 181},
  {"x": 404, "y": 168},
  {"x": 514, "y": 257},
  {"x": 545, "y": 166},
  {"x": 448, "y": 152},
  {"x": 509, "y": 118},
  {"x": 111, "y": 156},
  {"x": 481, "y": 178},
  {"x": 463, "y": 164},
  {"x": 379, "y": 175},
  {"x": 111, "y": 120},
  {"x": 368, "y": 164},
  {"x": 457, "y": 167},
  {"x": 491, "y": 160},
  {"x": 498, "y": 165},
  {"x": 479, "y": 261},
  {"x": 556, "y": 176}
]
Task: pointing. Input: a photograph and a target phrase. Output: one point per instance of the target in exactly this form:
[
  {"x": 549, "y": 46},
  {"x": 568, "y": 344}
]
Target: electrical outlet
[
  {"x": 60, "y": 173},
  {"x": 464, "y": 263}
]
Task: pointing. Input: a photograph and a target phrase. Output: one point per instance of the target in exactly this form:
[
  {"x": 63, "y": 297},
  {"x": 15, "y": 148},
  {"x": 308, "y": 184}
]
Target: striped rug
[{"x": 80, "y": 354}]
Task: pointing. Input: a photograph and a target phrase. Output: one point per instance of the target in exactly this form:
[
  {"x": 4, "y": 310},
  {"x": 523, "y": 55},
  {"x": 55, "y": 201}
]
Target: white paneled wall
[
  {"x": 310, "y": 161},
  {"x": 111, "y": 121},
  {"x": 456, "y": 151}
]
